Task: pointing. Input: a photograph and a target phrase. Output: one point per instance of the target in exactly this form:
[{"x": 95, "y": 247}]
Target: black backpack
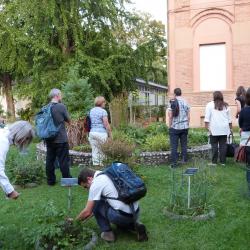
[
  {"x": 129, "y": 186},
  {"x": 174, "y": 105},
  {"x": 87, "y": 123}
]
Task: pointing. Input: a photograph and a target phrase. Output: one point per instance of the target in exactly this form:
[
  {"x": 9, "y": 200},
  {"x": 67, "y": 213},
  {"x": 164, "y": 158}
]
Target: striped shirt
[{"x": 180, "y": 121}]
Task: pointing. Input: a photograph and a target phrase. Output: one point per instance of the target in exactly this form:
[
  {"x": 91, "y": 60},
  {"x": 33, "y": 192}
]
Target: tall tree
[{"x": 13, "y": 52}]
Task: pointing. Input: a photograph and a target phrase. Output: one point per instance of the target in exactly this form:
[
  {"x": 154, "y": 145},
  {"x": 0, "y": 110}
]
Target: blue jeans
[
  {"x": 176, "y": 135},
  {"x": 105, "y": 215}
]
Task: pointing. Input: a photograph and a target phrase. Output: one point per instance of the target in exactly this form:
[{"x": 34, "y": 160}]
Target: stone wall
[{"x": 146, "y": 158}]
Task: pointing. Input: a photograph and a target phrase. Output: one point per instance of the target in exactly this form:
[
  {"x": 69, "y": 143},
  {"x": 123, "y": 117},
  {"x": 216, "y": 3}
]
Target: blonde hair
[
  {"x": 99, "y": 100},
  {"x": 21, "y": 134}
]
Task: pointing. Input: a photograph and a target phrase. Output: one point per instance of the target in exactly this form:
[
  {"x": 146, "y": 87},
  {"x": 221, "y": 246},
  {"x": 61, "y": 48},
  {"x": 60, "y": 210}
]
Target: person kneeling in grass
[
  {"x": 107, "y": 211},
  {"x": 19, "y": 134}
]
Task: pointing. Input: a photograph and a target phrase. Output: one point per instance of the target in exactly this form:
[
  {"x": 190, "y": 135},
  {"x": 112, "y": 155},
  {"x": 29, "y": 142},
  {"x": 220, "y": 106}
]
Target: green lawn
[{"x": 229, "y": 230}]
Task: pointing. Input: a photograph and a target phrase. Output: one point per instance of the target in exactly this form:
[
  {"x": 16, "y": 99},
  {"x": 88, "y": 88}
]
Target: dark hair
[
  {"x": 84, "y": 174},
  {"x": 241, "y": 91},
  {"x": 248, "y": 97},
  {"x": 219, "y": 103},
  {"x": 177, "y": 92}
]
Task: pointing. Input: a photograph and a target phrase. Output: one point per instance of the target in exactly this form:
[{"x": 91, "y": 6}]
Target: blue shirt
[{"x": 96, "y": 117}]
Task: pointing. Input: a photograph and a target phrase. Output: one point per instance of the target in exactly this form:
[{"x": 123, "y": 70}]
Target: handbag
[
  {"x": 240, "y": 153},
  {"x": 231, "y": 146}
]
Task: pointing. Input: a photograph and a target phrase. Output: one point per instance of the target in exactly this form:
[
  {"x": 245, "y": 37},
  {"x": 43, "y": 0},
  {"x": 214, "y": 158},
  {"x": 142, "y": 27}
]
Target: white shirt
[
  {"x": 218, "y": 120},
  {"x": 103, "y": 186},
  {"x": 4, "y": 148}
]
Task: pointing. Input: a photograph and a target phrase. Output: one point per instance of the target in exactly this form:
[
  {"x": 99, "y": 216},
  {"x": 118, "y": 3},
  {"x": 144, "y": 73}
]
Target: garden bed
[{"x": 146, "y": 158}]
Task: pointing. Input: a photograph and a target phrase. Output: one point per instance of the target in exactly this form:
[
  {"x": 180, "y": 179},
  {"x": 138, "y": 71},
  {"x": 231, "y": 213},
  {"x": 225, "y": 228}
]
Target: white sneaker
[{"x": 212, "y": 164}]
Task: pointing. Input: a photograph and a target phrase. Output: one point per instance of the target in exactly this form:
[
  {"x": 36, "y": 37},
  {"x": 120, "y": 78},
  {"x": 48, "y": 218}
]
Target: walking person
[
  {"x": 19, "y": 134},
  {"x": 244, "y": 124},
  {"x": 219, "y": 124},
  {"x": 240, "y": 99},
  {"x": 58, "y": 147},
  {"x": 100, "y": 129},
  {"x": 179, "y": 117}
]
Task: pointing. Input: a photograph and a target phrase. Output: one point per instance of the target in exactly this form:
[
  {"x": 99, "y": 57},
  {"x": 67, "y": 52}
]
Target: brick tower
[{"x": 209, "y": 49}]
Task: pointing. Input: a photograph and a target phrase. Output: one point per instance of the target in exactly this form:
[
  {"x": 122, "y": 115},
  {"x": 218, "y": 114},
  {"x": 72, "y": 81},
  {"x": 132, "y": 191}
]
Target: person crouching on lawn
[
  {"x": 109, "y": 210},
  {"x": 19, "y": 134}
]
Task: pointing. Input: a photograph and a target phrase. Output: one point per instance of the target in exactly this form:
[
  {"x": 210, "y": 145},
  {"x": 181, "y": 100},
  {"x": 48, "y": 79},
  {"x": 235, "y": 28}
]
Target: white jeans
[
  {"x": 4, "y": 148},
  {"x": 95, "y": 138}
]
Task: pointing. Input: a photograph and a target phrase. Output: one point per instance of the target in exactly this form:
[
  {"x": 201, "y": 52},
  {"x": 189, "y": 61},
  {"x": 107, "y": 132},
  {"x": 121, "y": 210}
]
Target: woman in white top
[
  {"x": 19, "y": 134},
  {"x": 219, "y": 124}
]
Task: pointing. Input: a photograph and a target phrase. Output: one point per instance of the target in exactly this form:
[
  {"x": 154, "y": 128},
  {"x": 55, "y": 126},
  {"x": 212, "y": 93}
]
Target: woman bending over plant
[{"x": 19, "y": 134}]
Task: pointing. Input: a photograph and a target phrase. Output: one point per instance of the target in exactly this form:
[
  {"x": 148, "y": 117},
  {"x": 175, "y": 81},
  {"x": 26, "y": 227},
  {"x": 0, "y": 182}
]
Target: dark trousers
[
  {"x": 248, "y": 166},
  {"x": 221, "y": 142},
  {"x": 105, "y": 215},
  {"x": 176, "y": 135},
  {"x": 61, "y": 152}
]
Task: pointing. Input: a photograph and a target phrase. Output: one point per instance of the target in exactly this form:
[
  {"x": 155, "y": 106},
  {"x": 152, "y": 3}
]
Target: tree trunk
[{"x": 7, "y": 91}]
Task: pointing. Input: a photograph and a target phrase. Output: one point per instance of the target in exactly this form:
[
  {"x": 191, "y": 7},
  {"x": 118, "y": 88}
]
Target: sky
[{"x": 157, "y": 8}]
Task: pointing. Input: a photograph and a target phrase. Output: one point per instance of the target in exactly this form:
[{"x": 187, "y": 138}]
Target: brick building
[{"x": 209, "y": 49}]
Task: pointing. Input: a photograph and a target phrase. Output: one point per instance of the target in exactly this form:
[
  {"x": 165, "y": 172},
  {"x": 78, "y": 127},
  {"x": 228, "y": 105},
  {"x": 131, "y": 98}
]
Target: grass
[{"x": 229, "y": 230}]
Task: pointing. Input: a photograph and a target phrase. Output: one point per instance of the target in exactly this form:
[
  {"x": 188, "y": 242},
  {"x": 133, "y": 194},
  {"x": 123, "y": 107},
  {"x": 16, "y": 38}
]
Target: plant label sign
[
  {"x": 69, "y": 182},
  {"x": 191, "y": 171}
]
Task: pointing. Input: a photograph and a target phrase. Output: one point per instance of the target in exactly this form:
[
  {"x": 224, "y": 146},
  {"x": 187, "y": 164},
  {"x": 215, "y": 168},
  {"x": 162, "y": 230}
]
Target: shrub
[
  {"x": 117, "y": 150},
  {"x": 197, "y": 137},
  {"x": 26, "y": 113},
  {"x": 54, "y": 231},
  {"x": 24, "y": 168},
  {"x": 137, "y": 134},
  {"x": 78, "y": 94},
  {"x": 122, "y": 136},
  {"x": 159, "y": 142},
  {"x": 75, "y": 133},
  {"x": 157, "y": 128}
]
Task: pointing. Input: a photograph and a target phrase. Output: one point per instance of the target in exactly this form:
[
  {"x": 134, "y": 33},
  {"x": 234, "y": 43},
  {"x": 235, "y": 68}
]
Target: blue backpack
[
  {"x": 45, "y": 126},
  {"x": 129, "y": 186}
]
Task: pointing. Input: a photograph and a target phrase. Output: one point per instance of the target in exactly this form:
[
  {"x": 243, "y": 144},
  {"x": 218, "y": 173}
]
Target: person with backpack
[
  {"x": 19, "y": 134},
  {"x": 57, "y": 144},
  {"x": 100, "y": 129},
  {"x": 179, "y": 117},
  {"x": 113, "y": 198}
]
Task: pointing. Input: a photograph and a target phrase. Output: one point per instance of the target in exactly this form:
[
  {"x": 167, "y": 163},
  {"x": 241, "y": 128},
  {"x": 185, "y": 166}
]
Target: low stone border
[
  {"x": 201, "y": 217},
  {"x": 146, "y": 158}
]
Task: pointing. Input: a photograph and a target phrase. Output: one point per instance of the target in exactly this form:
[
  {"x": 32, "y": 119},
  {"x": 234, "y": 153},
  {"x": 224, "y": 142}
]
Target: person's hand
[
  {"x": 80, "y": 216},
  {"x": 13, "y": 195}
]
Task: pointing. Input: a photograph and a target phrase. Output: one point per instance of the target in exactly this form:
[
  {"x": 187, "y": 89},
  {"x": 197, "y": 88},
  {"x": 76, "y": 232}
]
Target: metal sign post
[
  {"x": 190, "y": 172},
  {"x": 69, "y": 182}
]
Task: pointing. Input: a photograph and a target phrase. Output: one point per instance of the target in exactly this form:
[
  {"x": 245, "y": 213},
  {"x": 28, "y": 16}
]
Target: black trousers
[
  {"x": 220, "y": 140},
  {"x": 177, "y": 135},
  {"x": 248, "y": 166},
  {"x": 61, "y": 152}
]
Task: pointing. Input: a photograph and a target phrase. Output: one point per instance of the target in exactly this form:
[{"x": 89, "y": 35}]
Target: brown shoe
[
  {"x": 13, "y": 195},
  {"x": 141, "y": 232},
  {"x": 108, "y": 236}
]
